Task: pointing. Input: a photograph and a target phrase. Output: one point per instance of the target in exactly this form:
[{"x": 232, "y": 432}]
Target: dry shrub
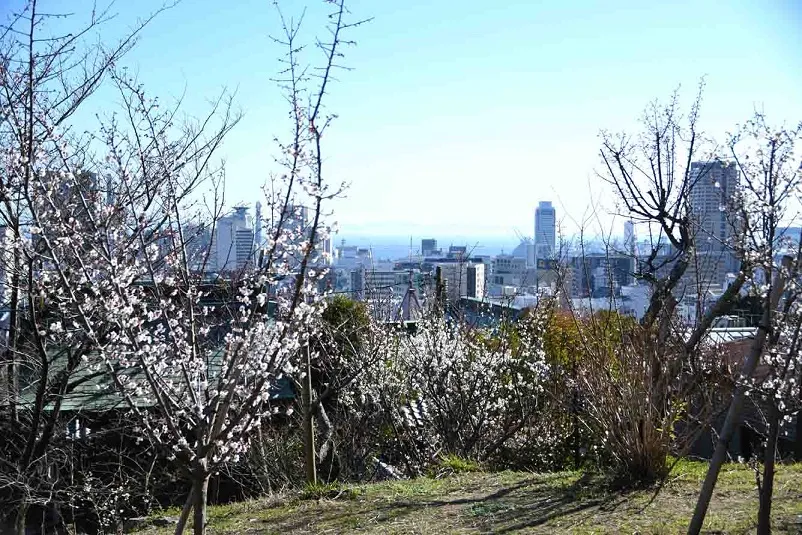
[{"x": 641, "y": 397}]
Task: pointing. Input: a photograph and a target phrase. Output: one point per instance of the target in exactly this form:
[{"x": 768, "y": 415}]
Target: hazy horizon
[{"x": 458, "y": 120}]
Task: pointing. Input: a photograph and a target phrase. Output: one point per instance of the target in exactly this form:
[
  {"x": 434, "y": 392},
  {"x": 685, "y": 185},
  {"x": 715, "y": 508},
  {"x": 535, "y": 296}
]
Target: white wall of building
[{"x": 457, "y": 276}]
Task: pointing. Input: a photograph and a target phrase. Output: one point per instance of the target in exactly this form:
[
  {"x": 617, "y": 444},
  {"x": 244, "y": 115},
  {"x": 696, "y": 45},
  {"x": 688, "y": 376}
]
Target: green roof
[{"x": 93, "y": 389}]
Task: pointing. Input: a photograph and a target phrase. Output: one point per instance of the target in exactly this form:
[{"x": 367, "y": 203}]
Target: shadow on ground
[
  {"x": 533, "y": 503},
  {"x": 526, "y": 504}
]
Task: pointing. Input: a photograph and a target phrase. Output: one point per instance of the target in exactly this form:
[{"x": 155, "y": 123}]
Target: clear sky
[{"x": 459, "y": 116}]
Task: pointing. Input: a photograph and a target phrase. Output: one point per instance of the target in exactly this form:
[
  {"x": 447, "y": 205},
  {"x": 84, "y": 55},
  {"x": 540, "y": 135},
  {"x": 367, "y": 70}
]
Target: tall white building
[
  {"x": 545, "y": 231},
  {"x": 714, "y": 184},
  {"x": 630, "y": 239},
  {"x": 631, "y": 248},
  {"x": 232, "y": 243}
]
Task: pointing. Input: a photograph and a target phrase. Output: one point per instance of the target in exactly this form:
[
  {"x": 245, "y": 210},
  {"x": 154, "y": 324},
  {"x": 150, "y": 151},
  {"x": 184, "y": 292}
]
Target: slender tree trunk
[
  {"x": 22, "y": 517},
  {"x": 734, "y": 416},
  {"x": 200, "y": 490},
  {"x": 798, "y": 441},
  {"x": 767, "y": 488},
  {"x": 182, "y": 520},
  {"x": 575, "y": 414},
  {"x": 309, "y": 428},
  {"x": 11, "y": 340}
]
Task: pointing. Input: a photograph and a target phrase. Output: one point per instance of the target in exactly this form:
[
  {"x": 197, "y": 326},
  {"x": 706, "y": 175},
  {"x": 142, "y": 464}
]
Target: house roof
[
  {"x": 410, "y": 309},
  {"x": 723, "y": 335},
  {"x": 94, "y": 390}
]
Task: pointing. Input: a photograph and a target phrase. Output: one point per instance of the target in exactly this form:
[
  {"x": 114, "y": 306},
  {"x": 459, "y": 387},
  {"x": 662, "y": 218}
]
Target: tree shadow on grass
[
  {"x": 526, "y": 504},
  {"x": 532, "y": 507}
]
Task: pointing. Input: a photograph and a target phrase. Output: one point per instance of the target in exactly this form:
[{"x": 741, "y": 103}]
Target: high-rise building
[
  {"x": 428, "y": 247},
  {"x": 232, "y": 243},
  {"x": 545, "y": 231},
  {"x": 630, "y": 240},
  {"x": 713, "y": 186},
  {"x": 631, "y": 247}
]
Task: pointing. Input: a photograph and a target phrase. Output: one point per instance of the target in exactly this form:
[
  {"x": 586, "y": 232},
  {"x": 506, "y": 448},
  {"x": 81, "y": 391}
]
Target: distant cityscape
[{"x": 397, "y": 278}]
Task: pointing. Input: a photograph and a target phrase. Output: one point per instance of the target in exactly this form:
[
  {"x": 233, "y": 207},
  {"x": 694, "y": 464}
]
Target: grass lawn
[{"x": 517, "y": 502}]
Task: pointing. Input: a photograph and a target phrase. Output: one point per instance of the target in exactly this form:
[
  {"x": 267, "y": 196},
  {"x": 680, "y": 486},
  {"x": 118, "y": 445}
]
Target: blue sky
[{"x": 460, "y": 116}]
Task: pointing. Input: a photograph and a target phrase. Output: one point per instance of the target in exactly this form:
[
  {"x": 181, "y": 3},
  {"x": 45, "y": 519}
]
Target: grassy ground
[{"x": 515, "y": 502}]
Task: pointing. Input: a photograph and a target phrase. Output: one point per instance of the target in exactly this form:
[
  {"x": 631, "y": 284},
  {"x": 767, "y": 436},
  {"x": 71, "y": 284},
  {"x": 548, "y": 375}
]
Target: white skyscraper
[
  {"x": 232, "y": 243},
  {"x": 630, "y": 240},
  {"x": 545, "y": 231},
  {"x": 714, "y": 185},
  {"x": 630, "y": 248}
]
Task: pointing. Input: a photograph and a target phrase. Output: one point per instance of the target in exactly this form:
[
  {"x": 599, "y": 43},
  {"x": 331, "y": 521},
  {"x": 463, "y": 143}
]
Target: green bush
[{"x": 457, "y": 464}]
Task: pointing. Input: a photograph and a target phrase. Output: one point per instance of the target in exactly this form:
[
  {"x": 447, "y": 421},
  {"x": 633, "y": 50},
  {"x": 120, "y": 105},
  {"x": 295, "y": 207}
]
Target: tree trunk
[
  {"x": 182, "y": 520},
  {"x": 575, "y": 413},
  {"x": 767, "y": 488},
  {"x": 11, "y": 341},
  {"x": 734, "y": 415},
  {"x": 309, "y": 428},
  {"x": 22, "y": 516},
  {"x": 200, "y": 489},
  {"x": 798, "y": 441}
]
